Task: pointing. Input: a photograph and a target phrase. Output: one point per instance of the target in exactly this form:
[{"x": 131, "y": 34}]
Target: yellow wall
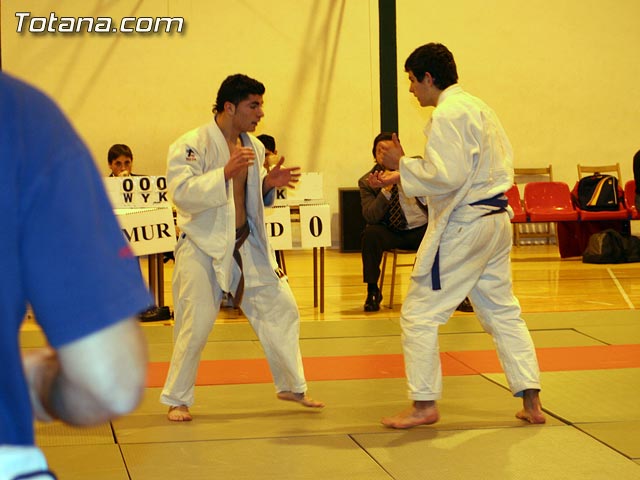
[
  {"x": 562, "y": 75},
  {"x": 315, "y": 58}
]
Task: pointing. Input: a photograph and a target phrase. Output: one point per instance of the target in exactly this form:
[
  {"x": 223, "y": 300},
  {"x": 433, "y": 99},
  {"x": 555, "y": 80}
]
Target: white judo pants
[
  {"x": 474, "y": 262},
  {"x": 271, "y": 310}
]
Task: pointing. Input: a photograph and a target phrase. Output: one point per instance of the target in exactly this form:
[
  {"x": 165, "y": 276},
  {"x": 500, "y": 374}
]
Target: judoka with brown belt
[{"x": 218, "y": 183}]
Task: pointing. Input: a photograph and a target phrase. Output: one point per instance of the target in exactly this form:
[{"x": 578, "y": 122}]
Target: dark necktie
[{"x": 397, "y": 219}]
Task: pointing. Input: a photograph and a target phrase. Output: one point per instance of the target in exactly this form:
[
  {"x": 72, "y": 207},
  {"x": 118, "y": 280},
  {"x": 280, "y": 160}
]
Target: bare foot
[
  {"x": 532, "y": 408},
  {"x": 421, "y": 413},
  {"x": 179, "y": 414},
  {"x": 301, "y": 398}
]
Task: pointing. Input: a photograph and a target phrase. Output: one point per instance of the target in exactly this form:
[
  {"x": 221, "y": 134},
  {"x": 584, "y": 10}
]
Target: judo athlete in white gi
[
  {"x": 219, "y": 186},
  {"x": 466, "y": 169}
]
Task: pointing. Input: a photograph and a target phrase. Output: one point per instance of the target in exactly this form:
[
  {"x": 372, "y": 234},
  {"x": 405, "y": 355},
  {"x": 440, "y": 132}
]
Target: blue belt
[{"x": 500, "y": 202}]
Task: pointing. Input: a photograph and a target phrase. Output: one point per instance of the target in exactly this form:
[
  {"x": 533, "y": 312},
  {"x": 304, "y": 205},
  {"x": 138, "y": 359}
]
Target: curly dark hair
[{"x": 236, "y": 88}]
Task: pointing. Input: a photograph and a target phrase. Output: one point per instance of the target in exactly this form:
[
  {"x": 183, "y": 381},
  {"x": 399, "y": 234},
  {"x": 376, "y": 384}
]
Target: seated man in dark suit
[{"x": 393, "y": 220}]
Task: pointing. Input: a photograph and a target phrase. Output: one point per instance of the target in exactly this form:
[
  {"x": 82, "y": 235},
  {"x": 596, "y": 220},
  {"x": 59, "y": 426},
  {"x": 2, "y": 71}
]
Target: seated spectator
[
  {"x": 270, "y": 159},
  {"x": 393, "y": 220},
  {"x": 270, "y": 154},
  {"x": 120, "y": 159}
]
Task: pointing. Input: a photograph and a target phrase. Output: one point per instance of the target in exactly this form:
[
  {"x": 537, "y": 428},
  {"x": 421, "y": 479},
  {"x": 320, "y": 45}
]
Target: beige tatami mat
[
  {"x": 353, "y": 406},
  {"x": 590, "y": 395},
  {"x": 300, "y": 458},
  {"x": 450, "y": 342},
  {"x": 312, "y": 458},
  {"x": 621, "y": 436},
  {"x": 544, "y": 453},
  {"x": 57, "y": 433},
  {"x": 361, "y": 328},
  {"x": 323, "y": 347},
  {"x": 602, "y": 403},
  {"x": 244, "y": 432},
  {"x": 87, "y": 462},
  {"x": 579, "y": 319},
  {"x": 615, "y": 334},
  {"x": 367, "y": 337}
]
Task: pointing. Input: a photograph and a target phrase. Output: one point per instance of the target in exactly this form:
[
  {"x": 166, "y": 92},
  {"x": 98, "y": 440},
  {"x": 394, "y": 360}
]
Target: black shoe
[
  {"x": 154, "y": 314},
  {"x": 372, "y": 303},
  {"x": 465, "y": 306}
]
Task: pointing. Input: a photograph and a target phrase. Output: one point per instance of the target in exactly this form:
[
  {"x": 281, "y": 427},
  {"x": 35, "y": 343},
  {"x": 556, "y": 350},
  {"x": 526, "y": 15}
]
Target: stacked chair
[{"x": 543, "y": 230}]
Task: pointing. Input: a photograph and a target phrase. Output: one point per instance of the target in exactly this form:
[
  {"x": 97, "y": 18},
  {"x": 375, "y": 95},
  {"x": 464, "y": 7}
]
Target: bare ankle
[
  {"x": 531, "y": 407},
  {"x": 531, "y": 398}
]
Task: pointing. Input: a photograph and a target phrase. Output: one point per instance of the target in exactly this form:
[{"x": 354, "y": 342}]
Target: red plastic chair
[
  {"x": 586, "y": 215},
  {"x": 549, "y": 202},
  {"x": 630, "y": 199},
  {"x": 519, "y": 215},
  {"x": 513, "y": 195}
]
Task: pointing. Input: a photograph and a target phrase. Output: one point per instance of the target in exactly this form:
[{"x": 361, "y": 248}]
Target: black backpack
[{"x": 598, "y": 192}]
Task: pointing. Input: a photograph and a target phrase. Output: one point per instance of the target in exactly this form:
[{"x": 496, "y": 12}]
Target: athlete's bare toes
[
  {"x": 300, "y": 398},
  {"x": 179, "y": 414},
  {"x": 413, "y": 417},
  {"x": 534, "y": 417}
]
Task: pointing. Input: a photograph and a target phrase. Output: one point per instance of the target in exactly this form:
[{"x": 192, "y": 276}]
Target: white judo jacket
[
  {"x": 204, "y": 199},
  {"x": 467, "y": 158}
]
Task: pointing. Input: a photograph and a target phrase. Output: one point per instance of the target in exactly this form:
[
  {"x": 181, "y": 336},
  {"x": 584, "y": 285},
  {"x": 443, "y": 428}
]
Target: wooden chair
[
  {"x": 614, "y": 169},
  {"x": 591, "y": 169},
  {"x": 622, "y": 212},
  {"x": 544, "y": 230},
  {"x": 394, "y": 266},
  {"x": 545, "y": 172}
]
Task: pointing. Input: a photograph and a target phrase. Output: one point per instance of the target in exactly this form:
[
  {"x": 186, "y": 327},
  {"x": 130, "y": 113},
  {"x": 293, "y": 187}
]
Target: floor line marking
[{"x": 620, "y": 289}]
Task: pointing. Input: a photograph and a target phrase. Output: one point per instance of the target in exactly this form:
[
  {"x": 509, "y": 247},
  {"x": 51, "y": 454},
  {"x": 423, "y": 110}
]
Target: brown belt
[{"x": 241, "y": 235}]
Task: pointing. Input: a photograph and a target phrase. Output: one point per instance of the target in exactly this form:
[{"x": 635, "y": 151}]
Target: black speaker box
[{"x": 351, "y": 221}]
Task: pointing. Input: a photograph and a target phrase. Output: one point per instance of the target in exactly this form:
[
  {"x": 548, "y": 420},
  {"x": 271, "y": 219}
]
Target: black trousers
[{"x": 378, "y": 238}]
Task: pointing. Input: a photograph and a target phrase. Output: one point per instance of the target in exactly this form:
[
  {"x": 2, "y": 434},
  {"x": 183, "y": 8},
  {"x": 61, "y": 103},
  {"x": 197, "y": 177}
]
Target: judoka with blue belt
[{"x": 466, "y": 169}]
